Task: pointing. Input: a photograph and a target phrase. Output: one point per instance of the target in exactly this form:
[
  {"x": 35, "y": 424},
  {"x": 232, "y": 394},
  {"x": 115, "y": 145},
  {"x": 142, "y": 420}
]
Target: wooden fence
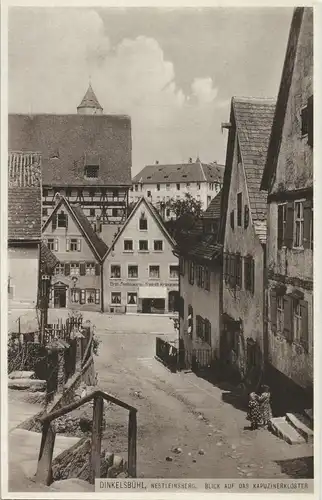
[
  {"x": 166, "y": 353},
  {"x": 44, "y": 468}
]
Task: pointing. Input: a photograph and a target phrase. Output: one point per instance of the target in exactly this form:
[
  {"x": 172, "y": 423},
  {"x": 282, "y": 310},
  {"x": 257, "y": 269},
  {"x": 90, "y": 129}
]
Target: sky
[{"x": 173, "y": 71}]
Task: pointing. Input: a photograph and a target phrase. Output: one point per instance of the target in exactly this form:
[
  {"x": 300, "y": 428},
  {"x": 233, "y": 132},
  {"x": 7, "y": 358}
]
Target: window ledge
[
  {"x": 298, "y": 249},
  {"x": 115, "y": 278},
  {"x": 128, "y": 251},
  {"x": 131, "y": 278},
  {"x": 143, "y": 251}
]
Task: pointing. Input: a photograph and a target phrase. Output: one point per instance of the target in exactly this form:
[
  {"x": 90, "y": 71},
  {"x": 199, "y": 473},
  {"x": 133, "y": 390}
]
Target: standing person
[
  {"x": 254, "y": 414},
  {"x": 265, "y": 405}
]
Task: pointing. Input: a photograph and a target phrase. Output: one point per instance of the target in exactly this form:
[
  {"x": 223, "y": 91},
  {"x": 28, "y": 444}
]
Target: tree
[{"x": 186, "y": 206}]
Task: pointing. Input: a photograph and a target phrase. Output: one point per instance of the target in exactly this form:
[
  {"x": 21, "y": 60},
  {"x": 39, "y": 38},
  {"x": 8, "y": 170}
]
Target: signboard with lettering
[{"x": 143, "y": 283}]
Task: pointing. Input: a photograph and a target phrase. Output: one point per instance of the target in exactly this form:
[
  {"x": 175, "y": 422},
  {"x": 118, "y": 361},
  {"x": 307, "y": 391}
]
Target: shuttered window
[
  {"x": 232, "y": 219},
  {"x": 97, "y": 296},
  {"x": 232, "y": 273},
  {"x": 238, "y": 270},
  {"x": 82, "y": 297},
  {"x": 310, "y": 113},
  {"x": 82, "y": 269},
  {"x": 67, "y": 269},
  {"x": 288, "y": 318},
  {"x": 207, "y": 332},
  {"x": 308, "y": 225},
  {"x": 190, "y": 320},
  {"x": 246, "y": 216},
  {"x": 289, "y": 224},
  {"x": 239, "y": 208},
  {"x": 191, "y": 272},
  {"x": 249, "y": 272},
  {"x": 281, "y": 225},
  {"x": 207, "y": 278},
  {"x": 304, "y": 335},
  {"x": 226, "y": 267}
]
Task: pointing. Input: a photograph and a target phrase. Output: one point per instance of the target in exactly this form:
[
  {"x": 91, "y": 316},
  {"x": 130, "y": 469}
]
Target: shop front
[{"x": 152, "y": 300}]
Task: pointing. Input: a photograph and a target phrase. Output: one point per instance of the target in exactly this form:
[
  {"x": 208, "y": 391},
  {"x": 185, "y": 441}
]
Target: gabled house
[
  {"x": 86, "y": 157},
  {"x": 78, "y": 280},
  {"x": 140, "y": 270},
  {"x": 24, "y": 238},
  {"x": 200, "y": 268},
  {"x": 244, "y": 209},
  {"x": 288, "y": 178}
]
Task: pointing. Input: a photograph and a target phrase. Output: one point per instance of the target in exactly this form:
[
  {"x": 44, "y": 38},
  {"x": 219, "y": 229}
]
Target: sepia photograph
[{"x": 159, "y": 250}]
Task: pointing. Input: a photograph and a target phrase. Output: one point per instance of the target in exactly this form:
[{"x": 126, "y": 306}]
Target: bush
[{"x": 27, "y": 356}]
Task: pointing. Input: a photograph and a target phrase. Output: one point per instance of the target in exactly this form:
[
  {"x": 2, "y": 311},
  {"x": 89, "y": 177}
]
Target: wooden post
[
  {"x": 95, "y": 464},
  {"x": 132, "y": 444},
  {"x": 44, "y": 470}
]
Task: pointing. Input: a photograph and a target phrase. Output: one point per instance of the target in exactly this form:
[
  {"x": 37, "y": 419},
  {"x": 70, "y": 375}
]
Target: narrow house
[
  {"x": 78, "y": 280},
  {"x": 24, "y": 238},
  {"x": 140, "y": 270},
  {"x": 200, "y": 269},
  {"x": 244, "y": 210},
  {"x": 288, "y": 178}
]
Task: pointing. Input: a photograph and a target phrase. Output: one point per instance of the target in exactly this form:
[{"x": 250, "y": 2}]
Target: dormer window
[
  {"x": 62, "y": 219},
  {"x": 143, "y": 223},
  {"x": 91, "y": 171}
]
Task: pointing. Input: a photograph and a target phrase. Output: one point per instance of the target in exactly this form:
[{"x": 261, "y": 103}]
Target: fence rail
[{"x": 167, "y": 353}]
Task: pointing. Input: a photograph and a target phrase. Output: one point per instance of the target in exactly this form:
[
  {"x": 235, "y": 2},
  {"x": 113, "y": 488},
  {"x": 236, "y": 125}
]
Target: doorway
[
  {"x": 59, "y": 297},
  {"x": 173, "y": 304}
]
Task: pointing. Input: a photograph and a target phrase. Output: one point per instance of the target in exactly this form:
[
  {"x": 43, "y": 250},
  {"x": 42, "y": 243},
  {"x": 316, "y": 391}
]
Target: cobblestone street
[{"x": 185, "y": 428}]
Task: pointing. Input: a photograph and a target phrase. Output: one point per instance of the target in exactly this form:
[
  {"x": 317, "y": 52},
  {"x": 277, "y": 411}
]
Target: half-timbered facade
[
  {"x": 86, "y": 158},
  {"x": 288, "y": 177},
  {"x": 78, "y": 280}
]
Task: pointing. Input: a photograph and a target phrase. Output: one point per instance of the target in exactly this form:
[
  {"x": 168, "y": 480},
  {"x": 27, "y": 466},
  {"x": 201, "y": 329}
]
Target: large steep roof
[{"x": 67, "y": 142}]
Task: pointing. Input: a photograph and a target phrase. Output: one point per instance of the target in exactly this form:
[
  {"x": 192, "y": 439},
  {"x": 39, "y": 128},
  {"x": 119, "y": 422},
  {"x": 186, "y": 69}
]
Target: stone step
[
  {"x": 21, "y": 374},
  {"x": 300, "y": 427},
  {"x": 281, "y": 428},
  {"x": 29, "y": 384}
]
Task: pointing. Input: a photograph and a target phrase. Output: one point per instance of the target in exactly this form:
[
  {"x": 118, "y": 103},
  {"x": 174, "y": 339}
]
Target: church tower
[{"x": 89, "y": 104}]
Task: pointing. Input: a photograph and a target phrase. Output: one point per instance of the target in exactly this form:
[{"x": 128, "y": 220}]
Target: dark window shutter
[
  {"x": 82, "y": 269},
  {"x": 308, "y": 220},
  {"x": 273, "y": 310},
  {"x": 280, "y": 226},
  {"x": 67, "y": 269},
  {"x": 305, "y": 326},
  {"x": 289, "y": 225},
  {"x": 310, "y": 113},
  {"x": 232, "y": 219},
  {"x": 233, "y": 270},
  {"x": 246, "y": 217},
  {"x": 54, "y": 222},
  {"x": 97, "y": 269},
  {"x": 252, "y": 275},
  {"x": 288, "y": 317}
]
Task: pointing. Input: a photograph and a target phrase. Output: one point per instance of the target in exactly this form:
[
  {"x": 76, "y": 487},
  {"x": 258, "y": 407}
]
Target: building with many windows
[
  {"x": 244, "y": 210},
  {"x": 86, "y": 157},
  {"x": 200, "y": 257},
  {"x": 288, "y": 178},
  {"x": 162, "y": 183},
  {"x": 140, "y": 270},
  {"x": 78, "y": 280}
]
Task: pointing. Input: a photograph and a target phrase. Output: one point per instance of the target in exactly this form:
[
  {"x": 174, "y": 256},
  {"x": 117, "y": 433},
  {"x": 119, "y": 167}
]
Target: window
[
  {"x": 75, "y": 295},
  {"x": 158, "y": 187},
  {"x": 68, "y": 192},
  {"x": 115, "y": 271},
  {"x": 45, "y": 193},
  {"x": 249, "y": 269},
  {"x": 143, "y": 224},
  {"x": 211, "y": 186},
  {"x": 116, "y": 297},
  {"x": 60, "y": 269},
  {"x": 154, "y": 272},
  {"x": 90, "y": 269},
  {"x": 158, "y": 245},
  {"x": 167, "y": 186},
  {"x": 62, "y": 220},
  {"x": 174, "y": 271},
  {"x": 199, "y": 326},
  {"x": 198, "y": 185},
  {"x": 246, "y": 216},
  {"x": 74, "y": 245},
  {"x": 148, "y": 194},
  {"x": 136, "y": 187},
  {"x": 304, "y": 121},
  {"x": 232, "y": 219},
  {"x": 51, "y": 243},
  {"x": 128, "y": 245},
  {"x": 74, "y": 269},
  {"x": 132, "y": 298},
  {"x": 280, "y": 313},
  {"x": 90, "y": 296},
  {"x": 91, "y": 171},
  {"x": 45, "y": 212},
  {"x": 310, "y": 121},
  {"x": 191, "y": 272},
  {"x": 200, "y": 276},
  {"x": 143, "y": 245},
  {"x": 188, "y": 185},
  {"x": 82, "y": 297},
  {"x": 226, "y": 267},
  {"x": 281, "y": 225},
  {"x": 97, "y": 296},
  {"x": 207, "y": 331},
  {"x": 178, "y": 187},
  {"x": 115, "y": 193},
  {"x": 207, "y": 278},
  {"x": 298, "y": 223},
  {"x": 181, "y": 265},
  {"x": 239, "y": 270},
  {"x": 167, "y": 212},
  {"x": 239, "y": 208},
  {"x": 116, "y": 212},
  {"x": 92, "y": 212},
  {"x": 132, "y": 271}
]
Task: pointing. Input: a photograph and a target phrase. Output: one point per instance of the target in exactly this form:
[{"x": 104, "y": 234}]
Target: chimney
[
  {"x": 157, "y": 162},
  {"x": 190, "y": 160}
]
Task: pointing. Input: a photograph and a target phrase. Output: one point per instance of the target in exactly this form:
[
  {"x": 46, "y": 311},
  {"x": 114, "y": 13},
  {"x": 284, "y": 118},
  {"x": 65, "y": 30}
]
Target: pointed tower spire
[{"x": 89, "y": 104}]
